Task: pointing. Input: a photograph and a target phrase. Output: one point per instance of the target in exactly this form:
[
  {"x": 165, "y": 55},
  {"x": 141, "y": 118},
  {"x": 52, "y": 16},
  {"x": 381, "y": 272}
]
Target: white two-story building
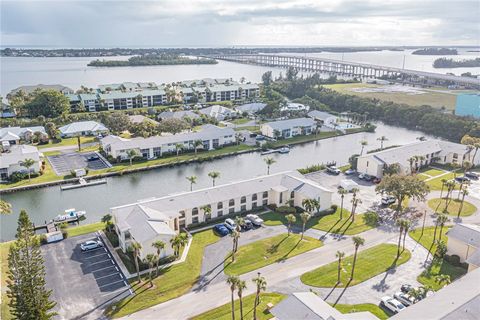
[{"x": 288, "y": 128}]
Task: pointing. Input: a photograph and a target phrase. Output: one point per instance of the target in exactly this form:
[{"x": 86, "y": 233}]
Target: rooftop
[
  {"x": 18, "y": 153},
  {"x": 18, "y": 131},
  {"x": 82, "y": 126},
  {"x": 467, "y": 233},
  {"x": 291, "y": 123}
]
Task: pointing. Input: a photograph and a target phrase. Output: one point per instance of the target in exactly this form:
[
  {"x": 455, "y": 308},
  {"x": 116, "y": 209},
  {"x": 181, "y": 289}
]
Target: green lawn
[
  {"x": 439, "y": 205},
  {"x": 432, "y": 172},
  {"x": 240, "y": 121},
  {"x": 5, "y": 309},
  {"x": 440, "y": 267},
  {"x": 331, "y": 223},
  {"x": 370, "y": 262},
  {"x": 47, "y": 176},
  {"x": 436, "y": 184},
  {"x": 225, "y": 312},
  {"x": 171, "y": 283},
  {"x": 372, "y": 308},
  {"x": 267, "y": 251},
  {"x": 66, "y": 142},
  {"x": 426, "y": 240},
  {"x": 249, "y": 128},
  {"x": 84, "y": 229}
]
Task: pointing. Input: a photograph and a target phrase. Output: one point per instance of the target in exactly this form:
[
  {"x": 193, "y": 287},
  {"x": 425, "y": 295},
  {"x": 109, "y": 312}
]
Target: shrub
[
  {"x": 334, "y": 207},
  {"x": 272, "y": 207},
  {"x": 286, "y": 210},
  {"x": 43, "y": 239},
  {"x": 312, "y": 168},
  {"x": 113, "y": 238},
  {"x": 65, "y": 234},
  {"x": 18, "y": 176},
  {"x": 371, "y": 218}
]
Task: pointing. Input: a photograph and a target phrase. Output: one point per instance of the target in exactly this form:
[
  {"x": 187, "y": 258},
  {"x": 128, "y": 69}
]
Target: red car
[{"x": 377, "y": 180}]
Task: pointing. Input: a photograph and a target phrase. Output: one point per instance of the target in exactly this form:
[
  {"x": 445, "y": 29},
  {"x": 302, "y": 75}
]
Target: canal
[{"x": 44, "y": 204}]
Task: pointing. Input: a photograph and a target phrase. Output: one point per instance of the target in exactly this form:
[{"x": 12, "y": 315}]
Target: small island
[
  {"x": 450, "y": 63},
  {"x": 436, "y": 52},
  {"x": 151, "y": 60}
]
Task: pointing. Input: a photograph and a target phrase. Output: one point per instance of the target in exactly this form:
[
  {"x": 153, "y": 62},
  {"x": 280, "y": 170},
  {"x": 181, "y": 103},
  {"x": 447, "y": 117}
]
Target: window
[
  {"x": 195, "y": 212},
  {"x": 281, "y": 197},
  {"x": 144, "y": 152},
  {"x": 292, "y": 194},
  {"x": 220, "y": 205},
  {"x": 254, "y": 197},
  {"x": 157, "y": 152},
  {"x": 127, "y": 235},
  {"x": 182, "y": 223},
  {"x": 367, "y": 163},
  {"x": 195, "y": 220},
  {"x": 254, "y": 205},
  {"x": 265, "y": 194},
  {"x": 231, "y": 210},
  {"x": 265, "y": 202},
  {"x": 243, "y": 208},
  {"x": 219, "y": 213},
  {"x": 231, "y": 203},
  {"x": 182, "y": 214},
  {"x": 243, "y": 199}
]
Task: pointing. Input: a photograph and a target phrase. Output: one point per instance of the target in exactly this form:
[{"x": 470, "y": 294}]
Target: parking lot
[
  {"x": 64, "y": 163},
  {"x": 83, "y": 283}
]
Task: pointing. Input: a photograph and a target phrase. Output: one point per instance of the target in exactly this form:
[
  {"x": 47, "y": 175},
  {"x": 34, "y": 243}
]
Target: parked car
[
  {"x": 388, "y": 200},
  {"x": 377, "y": 180},
  {"x": 404, "y": 298},
  {"x": 462, "y": 179},
  {"x": 406, "y": 288},
  {"x": 362, "y": 176},
  {"x": 333, "y": 170},
  {"x": 93, "y": 157},
  {"x": 221, "y": 230},
  {"x": 472, "y": 175},
  {"x": 349, "y": 172},
  {"x": 90, "y": 245},
  {"x": 247, "y": 225},
  {"x": 392, "y": 304},
  {"x": 230, "y": 224},
  {"x": 256, "y": 220}
]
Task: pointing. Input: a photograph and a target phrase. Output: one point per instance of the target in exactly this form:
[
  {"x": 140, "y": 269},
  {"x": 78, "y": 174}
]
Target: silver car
[
  {"x": 90, "y": 245},
  {"x": 392, "y": 304},
  {"x": 404, "y": 298},
  {"x": 256, "y": 220}
]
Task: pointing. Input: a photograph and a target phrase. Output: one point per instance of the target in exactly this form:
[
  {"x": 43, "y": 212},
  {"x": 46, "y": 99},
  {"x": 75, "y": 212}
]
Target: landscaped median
[
  {"x": 454, "y": 205},
  {"x": 370, "y": 262},
  {"x": 224, "y": 312},
  {"x": 267, "y": 251}
]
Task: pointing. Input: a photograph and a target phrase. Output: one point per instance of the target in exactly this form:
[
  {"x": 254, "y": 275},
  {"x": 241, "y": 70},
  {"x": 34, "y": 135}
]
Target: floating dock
[{"x": 83, "y": 183}]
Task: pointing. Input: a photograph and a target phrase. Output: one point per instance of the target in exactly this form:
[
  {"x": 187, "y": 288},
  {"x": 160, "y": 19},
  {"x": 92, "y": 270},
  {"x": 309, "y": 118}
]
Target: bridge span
[{"x": 353, "y": 69}]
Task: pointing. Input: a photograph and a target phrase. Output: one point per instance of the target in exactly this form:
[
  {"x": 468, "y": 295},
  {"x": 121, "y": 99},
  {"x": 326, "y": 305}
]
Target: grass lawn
[
  {"x": 370, "y": 262},
  {"x": 432, "y": 172},
  {"x": 267, "y": 251},
  {"x": 438, "y": 205},
  {"x": 436, "y": 184},
  {"x": 331, "y": 223},
  {"x": 301, "y": 139},
  {"x": 5, "y": 309},
  {"x": 370, "y": 307},
  {"x": 171, "y": 283},
  {"x": 225, "y": 312},
  {"x": 240, "y": 121},
  {"x": 84, "y": 229},
  {"x": 67, "y": 142},
  {"x": 249, "y": 128},
  {"x": 426, "y": 240},
  {"x": 440, "y": 267},
  {"x": 434, "y": 98}
]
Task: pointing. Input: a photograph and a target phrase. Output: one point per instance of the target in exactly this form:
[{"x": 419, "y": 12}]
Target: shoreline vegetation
[
  {"x": 450, "y": 63},
  {"x": 151, "y": 60},
  {"x": 436, "y": 52}
]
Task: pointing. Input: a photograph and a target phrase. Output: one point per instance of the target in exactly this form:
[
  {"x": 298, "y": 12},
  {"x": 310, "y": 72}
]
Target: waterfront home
[
  {"x": 30, "y": 89},
  {"x": 251, "y": 108},
  {"x": 464, "y": 242},
  {"x": 218, "y": 112},
  {"x": 443, "y": 152},
  {"x": 291, "y": 106},
  {"x": 324, "y": 118},
  {"x": 288, "y": 128},
  {"x": 138, "y": 118},
  {"x": 161, "y": 218},
  {"x": 15, "y": 135},
  {"x": 83, "y": 128},
  {"x": 12, "y": 157},
  {"x": 178, "y": 115},
  {"x": 212, "y": 137}
]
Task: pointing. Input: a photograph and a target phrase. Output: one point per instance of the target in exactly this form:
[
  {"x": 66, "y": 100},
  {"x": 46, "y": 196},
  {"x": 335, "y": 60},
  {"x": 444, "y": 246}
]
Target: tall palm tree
[
  {"x": 175, "y": 243},
  {"x": 357, "y": 242},
  {"x": 5, "y": 207},
  {"x": 441, "y": 220},
  {"x": 159, "y": 245},
  {"x": 261, "y": 284},
  {"x": 136, "y": 247},
  {"x": 342, "y": 192},
  {"x": 207, "y": 211},
  {"x": 315, "y": 203},
  {"x": 401, "y": 224},
  {"x": 464, "y": 193},
  {"x": 382, "y": 139},
  {"x": 235, "y": 236},
  {"x": 241, "y": 285},
  {"x": 151, "y": 259},
  {"x": 197, "y": 144},
  {"x": 305, "y": 216},
  {"x": 406, "y": 228},
  {"x": 444, "y": 181},
  {"x": 363, "y": 143},
  {"x": 355, "y": 203},
  {"x": 340, "y": 255},
  {"x": 132, "y": 154},
  {"x": 290, "y": 219},
  {"x": 269, "y": 161},
  {"x": 178, "y": 147},
  {"x": 450, "y": 185},
  {"x": 307, "y": 204},
  {"x": 27, "y": 164},
  {"x": 232, "y": 281},
  {"x": 192, "y": 180},
  {"x": 214, "y": 175}
]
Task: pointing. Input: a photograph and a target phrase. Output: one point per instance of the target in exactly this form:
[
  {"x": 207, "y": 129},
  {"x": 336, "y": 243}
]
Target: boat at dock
[
  {"x": 282, "y": 150},
  {"x": 70, "y": 215},
  {"x": 84, "y": 183}
]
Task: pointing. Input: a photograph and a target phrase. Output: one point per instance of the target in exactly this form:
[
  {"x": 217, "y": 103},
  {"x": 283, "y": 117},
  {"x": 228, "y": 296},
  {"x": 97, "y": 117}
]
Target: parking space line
[
  {"x": 109, "y": 275},
  {"x": 92, "y": 264},
  {"x": 98, "y": 255},
  {"x": 118, "y": 290},
  {"x": 102, "y": 269},
  {"x": 109, "y": 284},
  {"x": 93, "y": 250}
]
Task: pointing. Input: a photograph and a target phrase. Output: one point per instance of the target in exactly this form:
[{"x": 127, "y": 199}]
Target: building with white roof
[
  {"x": 161, "y": 218},
  {"x": 218, "y": 112},
  {"x": 464, "y": 241},
  {"x": 292, "y": 106},
  {"x": 182, "y": 114},
  {"x": 432, "y": 150},
  {"x": 212, "y": 137},
  {"x": 13, "y": 135},
  {"x": 324, "y": 118},
  {"x": 288, "y": 128},
  {"x": 138, "y": 118},
  {"x": 83, "y": 128},
  {"x": 30, "y": 89},
  {"x": 309, "y": 306},
  {"x": 251, "y": 108},
  {"x": 12, "y": 157}
]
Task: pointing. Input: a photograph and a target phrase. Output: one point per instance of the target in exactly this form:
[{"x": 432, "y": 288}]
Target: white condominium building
[{"x": 288, "y": 128}]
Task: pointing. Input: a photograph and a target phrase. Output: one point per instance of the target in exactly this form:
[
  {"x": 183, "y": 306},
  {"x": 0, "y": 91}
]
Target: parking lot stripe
[
  {"x": 92, "y": 264},
  {"x": 109, "y": 275},
  {"x": 103, "y": 269},
  {"x": 116, "y": 291},
  {"x": 98, "y": 255},
  {"x": 93, "y": 250},
  {"x": 109, "y": 284}
]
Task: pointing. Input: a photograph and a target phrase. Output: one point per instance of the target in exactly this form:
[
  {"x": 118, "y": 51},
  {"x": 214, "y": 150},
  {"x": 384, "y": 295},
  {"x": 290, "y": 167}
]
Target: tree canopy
[{"x": 48, "y": 103}]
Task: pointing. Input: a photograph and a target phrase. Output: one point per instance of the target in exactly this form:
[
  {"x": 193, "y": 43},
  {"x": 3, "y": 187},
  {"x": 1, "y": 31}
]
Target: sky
[{"x": 215, "y": 23}]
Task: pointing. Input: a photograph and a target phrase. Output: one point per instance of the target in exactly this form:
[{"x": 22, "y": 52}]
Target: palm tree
[
  {"x": 411, "y": 161},
  {"x": 382, "y": 139},
  {"x": 315, "y": 203},
  {"x": 235, "y": 235},
  {"x": 290, "y": 219},
  {"x": 197, "y": 144},
  {"x": 406, "y": 228},
  {"x": 192, "y": 180},
  {"x": 357, "y": 242},
  {"x": 159, "y": 246},
  {"x": 261, "y": 284},
  {"x": 207, "y": 211},
  {"x": 214, "y": 175},
  {"x": 27, "y": 164},
  {"x": 444, "y": 181},
  {"x": 355, "y": 203},
  {"x": 305, "y": 216},
  {"x": 175, "y": 242},
  {"x": 464, "y": 193},
  {"x": 450, "y": 184},
  {"x": 342, "y": 192},
  {"x": 441, "y": 220},
  {"x": 150, "y": 259},
  {"x": 178, "y": 147},
  {"x": 136, "y": 247},
  {"x": 233, "y": 282},
  {"x": 241, "y": 285},
  {"x": 5, "y": 207},
  {"x": 340, "y": 255},
  {"x": 107, "y": 220},
  {"x": 400, "y": 223},
  {"x": 443, "y": 278},
  {"x": 132, "y": 154},
  {"x": 269, "y": 161},
  {"x": 307, "y": 204},
  {"x": 363, "y": 143}
]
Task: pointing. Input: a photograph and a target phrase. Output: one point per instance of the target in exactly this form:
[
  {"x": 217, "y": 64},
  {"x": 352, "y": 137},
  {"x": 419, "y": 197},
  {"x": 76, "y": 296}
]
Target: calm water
[{"x": 44, "y": 204}]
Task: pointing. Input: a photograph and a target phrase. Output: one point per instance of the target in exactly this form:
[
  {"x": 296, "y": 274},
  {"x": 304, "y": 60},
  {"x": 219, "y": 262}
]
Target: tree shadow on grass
[
  {"x": 274, "y": 247},
  {"x": 382, "y": 286},
  {"x": 203, "y": 280}
]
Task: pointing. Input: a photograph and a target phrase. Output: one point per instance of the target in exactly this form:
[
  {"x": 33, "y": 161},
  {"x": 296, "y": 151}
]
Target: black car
[
  {"x": 472, "y": 175},
  {"x": 247, "y": 225},
  {"x": 462, "y": 179},
  {"x": 93, "y": 157}
]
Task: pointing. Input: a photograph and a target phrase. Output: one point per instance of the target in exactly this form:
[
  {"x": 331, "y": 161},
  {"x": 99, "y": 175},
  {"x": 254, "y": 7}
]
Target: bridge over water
[{"x": 352, "y": 69}]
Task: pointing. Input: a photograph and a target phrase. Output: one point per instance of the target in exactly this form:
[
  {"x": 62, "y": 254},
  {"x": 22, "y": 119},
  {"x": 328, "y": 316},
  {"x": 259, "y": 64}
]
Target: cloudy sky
[{"x": 239, "y": 22}]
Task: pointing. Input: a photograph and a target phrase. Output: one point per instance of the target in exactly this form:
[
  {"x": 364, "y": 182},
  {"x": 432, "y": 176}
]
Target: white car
[
  {"x": 392, "y": 304},
  {"x": 404, "y": 298},
  {"x": 90, "y": 245},
  {"x": 256, "y": 220},
  {"x": 388, "y": 200},
  {"x": 230, "y": 224}
]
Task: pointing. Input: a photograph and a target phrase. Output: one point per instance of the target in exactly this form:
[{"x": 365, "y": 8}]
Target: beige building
[
  {"x": 12, "y": 157},
  {"x": 464, "y": 241}
]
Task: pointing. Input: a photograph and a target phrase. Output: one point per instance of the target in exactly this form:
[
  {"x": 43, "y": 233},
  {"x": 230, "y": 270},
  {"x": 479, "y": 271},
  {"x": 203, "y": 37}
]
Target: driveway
[{"x": 83, "y": 283}]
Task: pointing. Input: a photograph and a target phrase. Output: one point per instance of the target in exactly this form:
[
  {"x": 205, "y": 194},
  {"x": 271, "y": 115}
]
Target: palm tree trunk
[
  {"x": 339, "y": 269},
  {"x": 341, "y": 209},
  {"x": 441, "y": 191},
  {"x": 303, "y": 230},
  {"x": 255, "y": 307},
  {"x": 461, "y": 206},
  {"x": 354, "y": 261},
  {"x": 440, "y": 235},
  {"x": 233, "y": 307},
  {"x": 289, "y": 225},
  {"x": 137, "y": 267},
  {"x": 404, "y": 238},
  {"x": 241, "y": 307},
  {"x": 435, "y": 232},
  {"x": 399, "y": 242}
]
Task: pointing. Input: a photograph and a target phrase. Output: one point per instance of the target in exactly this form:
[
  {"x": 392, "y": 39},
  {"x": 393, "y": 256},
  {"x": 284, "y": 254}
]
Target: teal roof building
[{"x": 468, "y": 105}]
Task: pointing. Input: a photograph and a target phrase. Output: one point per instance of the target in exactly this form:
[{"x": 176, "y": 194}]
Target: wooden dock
[{"x": 51, "y": 225}]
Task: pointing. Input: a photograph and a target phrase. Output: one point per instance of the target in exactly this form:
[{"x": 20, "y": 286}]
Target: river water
[{"x": 44, "y": 204}]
